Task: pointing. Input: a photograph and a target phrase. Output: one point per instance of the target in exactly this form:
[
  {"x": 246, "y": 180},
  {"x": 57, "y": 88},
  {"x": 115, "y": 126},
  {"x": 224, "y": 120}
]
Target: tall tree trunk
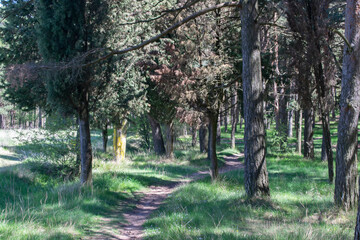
[
  {"x": 324, "y": 155},
  {"x": 119, "y": 143},
  {"x": 158, "y": 140},
  {"x": 85, "y": 144},
  {"x": 185, "y": 132},
  {"x": 298, "y": 121},
  {"x": 239, "y": 112},
  {"x": 40, "y": 118},
  {"x": 221, "y": 118},
  {"x": 203, "y": 138},
  {"x": 346, "y": 184},
  {"x": 12, "y": 118},
  {"x": 169, "y": 140},
  {"x": 256, "y": 175},
  {"x": 326, "y": 151},
  {"x": 357, "y": 227},
  {"x": 218, "y": 132},
  {"x": 234, "y": 114},
  {"x": 241, "y": 122},
  {"x": 104, "y": 133},
  {"x": 226, "y": 113},
  {"x": 213, "y": 123},
  {"x": 308, "y": 134},
  {"x": 276, "y": 106},
  {"x": 193, "y": 136},
  {"x": 290, "y": 123},
  {"x": 2, "y": 121},
  {"x": 333, "y": 111},
  {"x": 77, "y": 149},
  {"x": 323, "y": 89},
  {"x": 283, "y": 114},
  {"x": 35, "y": 118}
]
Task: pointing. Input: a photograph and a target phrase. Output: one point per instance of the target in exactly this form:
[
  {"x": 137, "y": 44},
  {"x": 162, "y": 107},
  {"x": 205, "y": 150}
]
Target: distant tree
[
  {"x": 18, "y": 38},
  {"x": 310, "y": 23}
]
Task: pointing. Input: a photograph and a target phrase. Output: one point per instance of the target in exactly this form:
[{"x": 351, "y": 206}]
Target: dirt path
[{"x": 151, "y": 201}]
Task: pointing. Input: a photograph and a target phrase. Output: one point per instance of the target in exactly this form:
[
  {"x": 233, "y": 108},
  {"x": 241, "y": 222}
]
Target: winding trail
[{"x": 151, "y": 200}]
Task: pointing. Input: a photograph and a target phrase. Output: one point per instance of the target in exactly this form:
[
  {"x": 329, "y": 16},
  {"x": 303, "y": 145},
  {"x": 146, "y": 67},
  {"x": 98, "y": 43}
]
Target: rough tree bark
[
  {"x": 322, "y": 90},
  {"x": 226, "y": 115},
  {"x": 2, "y": 121},
  {"x": 218, "y": 132},
  {"x": 256, "y": 175},
  {"x": 203, "y": 138},
  {"x": 283, "y": 113},
  {"x": 193, "y": 136},
  {"x": 241, "y": 122},
  {"x": 85, "y": 143},
  {"x": 40, "y": 118},
  {"x": 104, "y": 133},
  {"x": 213, "y": 123},
  {"x": 276, "y": 105},
  {"x": 77, "y": 149},
  {"x": 290, "y": 123},
  {"x": 308, "y": 134},
  {"x": 234, "y": 114},
  {"x": 298, "y": 122},
  {"x": 239, "y": 112},
  {"x": 169, "y": 140},
  {"x": 158, "y": 140},
  {"x": 327, "y": 149},
  {"x": 12, "y": 118},
  {"x": 346, "y": 189}
]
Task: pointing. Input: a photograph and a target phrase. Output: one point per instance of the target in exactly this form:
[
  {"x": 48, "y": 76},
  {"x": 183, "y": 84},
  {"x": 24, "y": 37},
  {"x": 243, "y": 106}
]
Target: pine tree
[{"x": 66, "y": 30}]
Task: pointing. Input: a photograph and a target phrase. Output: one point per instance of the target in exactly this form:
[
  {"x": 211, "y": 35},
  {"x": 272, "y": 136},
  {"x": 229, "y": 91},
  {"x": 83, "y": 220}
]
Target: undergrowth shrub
[
  {"x": 51, "y": 153},
  {"x": 277, "y": 140}
]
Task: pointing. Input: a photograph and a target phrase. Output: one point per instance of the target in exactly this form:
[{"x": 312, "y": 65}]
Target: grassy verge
[
  {"x": 300, "y": 207},
  {"x": 37, "y": 203}
]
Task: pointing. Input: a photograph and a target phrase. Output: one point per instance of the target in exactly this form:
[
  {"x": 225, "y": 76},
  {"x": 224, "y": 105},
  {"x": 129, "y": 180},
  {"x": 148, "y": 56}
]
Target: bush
[{"x": 50, "y": 153}]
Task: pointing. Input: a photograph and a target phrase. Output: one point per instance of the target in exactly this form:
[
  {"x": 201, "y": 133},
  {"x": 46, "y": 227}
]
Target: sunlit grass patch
[{"x": 300, "y": 207}]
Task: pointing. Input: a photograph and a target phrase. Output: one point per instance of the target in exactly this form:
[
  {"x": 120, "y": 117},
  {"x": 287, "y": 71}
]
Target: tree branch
[
  {"x": 165, "y": 32},
  {"x": 344, "y": 38}
]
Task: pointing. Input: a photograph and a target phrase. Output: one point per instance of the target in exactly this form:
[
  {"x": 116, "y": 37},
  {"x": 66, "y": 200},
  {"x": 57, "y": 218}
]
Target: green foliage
[
  {"x": 19, "y": 46},
  {"x": 50, "y": 154},
  {"x": 55, "y": 122},
  {"x": 144, "y": 130},
  {"x": 18, "y": 36},
  {"x": 277, "y": 140}
]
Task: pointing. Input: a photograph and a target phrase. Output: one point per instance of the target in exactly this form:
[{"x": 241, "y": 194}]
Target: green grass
[
  {"x": 300, "y": 207},
  {"x": 34, "y": 205}
]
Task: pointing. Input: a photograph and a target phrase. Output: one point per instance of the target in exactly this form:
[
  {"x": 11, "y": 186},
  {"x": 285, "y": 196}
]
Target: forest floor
[
  {"x": 156, "y": 198},
  {"x": 150, "y": 201}
]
